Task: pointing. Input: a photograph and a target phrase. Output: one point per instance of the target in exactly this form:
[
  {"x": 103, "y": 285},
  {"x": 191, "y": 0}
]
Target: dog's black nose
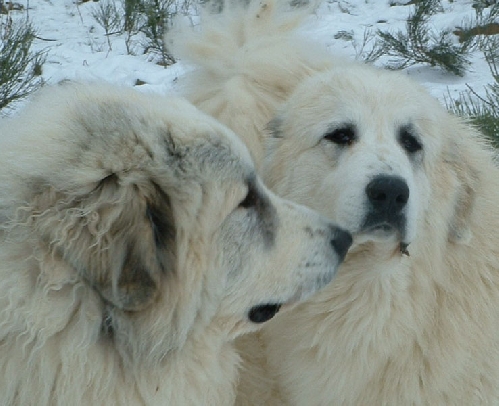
[
  {"x": 388, "y": 194},
  {"x": 341, "y": 241}
]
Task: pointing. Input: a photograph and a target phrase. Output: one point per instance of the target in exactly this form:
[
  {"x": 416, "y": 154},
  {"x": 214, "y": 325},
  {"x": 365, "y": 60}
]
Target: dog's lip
[
  {"x": 381, "y": 228},
  {"x": 381, "y": 231},
  {"x": 263, "y": 312}
]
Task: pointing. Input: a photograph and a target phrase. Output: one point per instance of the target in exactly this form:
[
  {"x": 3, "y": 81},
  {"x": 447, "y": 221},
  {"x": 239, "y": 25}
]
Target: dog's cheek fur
[{"x": 465, "y": 169}]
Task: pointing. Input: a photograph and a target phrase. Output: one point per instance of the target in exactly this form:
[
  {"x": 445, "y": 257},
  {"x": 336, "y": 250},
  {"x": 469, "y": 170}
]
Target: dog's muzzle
[{"x": 340, "y": 242}]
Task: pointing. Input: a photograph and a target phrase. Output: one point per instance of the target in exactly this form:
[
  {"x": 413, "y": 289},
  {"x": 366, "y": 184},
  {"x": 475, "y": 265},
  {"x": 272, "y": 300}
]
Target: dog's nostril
[
  {"x": 388, "y": 193},
  {"x": 341, "y": 242},
  {"x": 377, "y": 195},
  {"x": 402, "y": 198}
]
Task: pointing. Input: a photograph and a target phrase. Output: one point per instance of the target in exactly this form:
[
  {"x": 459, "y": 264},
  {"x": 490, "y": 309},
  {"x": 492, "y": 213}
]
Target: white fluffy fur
[
  {"x": 127, "y": 264},
  {"x": 231, "y": 82},
  {"x": 392, "y": 329}
]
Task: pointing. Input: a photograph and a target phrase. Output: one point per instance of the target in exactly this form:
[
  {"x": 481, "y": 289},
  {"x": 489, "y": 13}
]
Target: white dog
[
  {"x": 136, "y": 243},
  {"x": 413, "y": 316}
]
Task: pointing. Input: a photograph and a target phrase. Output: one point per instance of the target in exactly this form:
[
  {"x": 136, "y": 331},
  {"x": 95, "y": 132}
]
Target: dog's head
[
  {"x": 155, "y": 209},
  {"x": 371, "y": 150}
]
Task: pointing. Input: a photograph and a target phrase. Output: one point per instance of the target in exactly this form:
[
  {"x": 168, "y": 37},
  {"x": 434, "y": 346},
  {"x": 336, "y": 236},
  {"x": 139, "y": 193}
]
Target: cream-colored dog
[
  {"x": 136, "y": 243},
  {"x": 413, "y": 316}
]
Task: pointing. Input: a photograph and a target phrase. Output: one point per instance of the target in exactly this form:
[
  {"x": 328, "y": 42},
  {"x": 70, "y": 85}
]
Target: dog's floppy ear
[
  {"x": 119, "y": 238},
  {"x": 141, "y": 250},
  {"x": 134, "y": 285}
]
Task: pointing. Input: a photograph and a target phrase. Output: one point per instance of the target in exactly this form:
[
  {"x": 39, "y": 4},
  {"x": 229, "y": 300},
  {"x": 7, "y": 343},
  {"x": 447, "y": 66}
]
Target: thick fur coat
[
  {"x": 136, "y": 242},
  {"x": 412, "y": 318}
]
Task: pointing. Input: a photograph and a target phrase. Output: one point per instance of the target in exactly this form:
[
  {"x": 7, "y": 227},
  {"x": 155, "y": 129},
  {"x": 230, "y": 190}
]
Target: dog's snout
[
  {"x": 388, "y": 193},
  {"x": 341, "y": 241}
]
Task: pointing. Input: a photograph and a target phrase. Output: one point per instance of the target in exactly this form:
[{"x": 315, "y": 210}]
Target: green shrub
[
  {"x": 158, "y": 18},
  {"x": 421, "y": 44},
  {"x": 109, "y": 16},
  {"x": 20, "y": 67},
  {"x": 482, "y": 110},
  {"x": 148, "y": 20}
]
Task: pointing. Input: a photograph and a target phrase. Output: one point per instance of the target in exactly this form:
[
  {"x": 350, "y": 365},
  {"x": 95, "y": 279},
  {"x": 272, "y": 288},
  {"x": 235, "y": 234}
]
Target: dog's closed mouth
[
  {"x": 383, "y": 228},
  {"x": 262, "y": 313}
]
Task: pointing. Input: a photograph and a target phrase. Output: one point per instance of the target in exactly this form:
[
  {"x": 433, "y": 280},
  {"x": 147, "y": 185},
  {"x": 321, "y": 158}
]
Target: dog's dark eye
[
  {"x": 409, "y": 142},
  {"x": 341, "y": 136},
  {"x": 251, "y": 199}
]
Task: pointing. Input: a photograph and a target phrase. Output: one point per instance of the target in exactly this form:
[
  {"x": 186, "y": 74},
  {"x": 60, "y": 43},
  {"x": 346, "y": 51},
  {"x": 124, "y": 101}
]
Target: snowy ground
[{"x": 77, "y": 47}]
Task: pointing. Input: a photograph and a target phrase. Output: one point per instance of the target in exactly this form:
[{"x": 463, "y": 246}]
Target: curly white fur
[{"x": 127, "y": 262}]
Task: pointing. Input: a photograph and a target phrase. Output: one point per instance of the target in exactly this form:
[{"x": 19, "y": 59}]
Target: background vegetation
[{"x": 142, "y": 25}]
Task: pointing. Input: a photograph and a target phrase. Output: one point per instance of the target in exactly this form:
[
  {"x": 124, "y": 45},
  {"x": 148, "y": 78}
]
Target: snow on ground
[
  {"x": 361, "y": 15},
  {"x": 77, "y": 47}
]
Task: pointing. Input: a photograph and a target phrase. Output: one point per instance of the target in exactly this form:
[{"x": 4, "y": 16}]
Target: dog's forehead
[
  {"x": 361, "y": 87},
  {"x": 368, "y": 100},
  {"x": 95, "y": 131},
  {"x": 214, "y": 159},
  {"x": 134, "y": 135}
]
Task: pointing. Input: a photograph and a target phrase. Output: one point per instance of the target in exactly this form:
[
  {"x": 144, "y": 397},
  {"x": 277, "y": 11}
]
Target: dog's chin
[
  {"x": 382, "y": 232},
  {"x": 383, "y": 235}
]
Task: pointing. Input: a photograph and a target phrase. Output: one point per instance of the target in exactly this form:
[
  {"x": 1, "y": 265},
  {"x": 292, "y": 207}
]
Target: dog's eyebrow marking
[
  {"x": 173, "y": 150},
  {"x": 265, "y": 211},
  {"x": 274, "y": 127}
]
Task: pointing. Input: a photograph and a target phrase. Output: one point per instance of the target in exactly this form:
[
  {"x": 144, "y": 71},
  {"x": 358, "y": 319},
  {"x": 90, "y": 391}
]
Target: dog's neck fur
[
  {"x": 391, "y": 324},
  {"x": 60, "y": 320}
]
